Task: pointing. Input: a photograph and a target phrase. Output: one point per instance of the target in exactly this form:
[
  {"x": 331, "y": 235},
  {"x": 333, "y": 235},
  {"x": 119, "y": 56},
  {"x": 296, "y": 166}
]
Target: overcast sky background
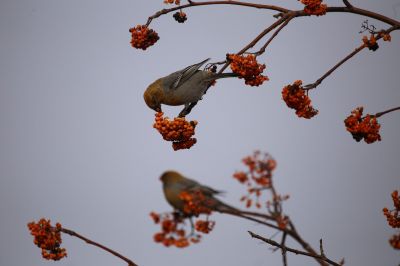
[{"x": 77, "y": 144}]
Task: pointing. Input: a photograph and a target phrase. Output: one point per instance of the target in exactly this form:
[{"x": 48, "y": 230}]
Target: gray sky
[{"x": 78, "y": 147}]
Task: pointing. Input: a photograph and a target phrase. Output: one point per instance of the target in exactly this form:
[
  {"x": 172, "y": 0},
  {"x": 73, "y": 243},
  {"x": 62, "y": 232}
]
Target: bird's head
[
  {"x": 153, "y": 96},
  {"x": 170, "y": 177}
]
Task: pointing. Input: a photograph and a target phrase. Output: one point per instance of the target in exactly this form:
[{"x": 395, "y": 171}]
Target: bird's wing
[
  {"x": 186, "y": 73},
  {"x": 193, "y": 185}
]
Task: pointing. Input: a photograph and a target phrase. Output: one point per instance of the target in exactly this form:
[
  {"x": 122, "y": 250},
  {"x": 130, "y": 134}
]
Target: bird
[
  {"x": 175, "y": 183},
  {"x": 184, "y": 87}
]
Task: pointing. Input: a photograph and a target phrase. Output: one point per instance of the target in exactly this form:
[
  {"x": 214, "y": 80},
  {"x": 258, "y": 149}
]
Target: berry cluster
[
  {"x": 247, "y": 68},
  {"x": 393, "y": 216},
  {"x": 173, "y": 232},
  {"x": 143, "y": 37},
  {"x": 276, "y": 199},
  {"x": 282, "y": 221},
  {"x": 394, "y": 241},
  {"x": 295, "y": 98},
  {"x": 258, "y": 178},
  {"x": 195, "y": 203},
  {"x": 314, "y": 7},
  {"x": 393, "y": 219},
  {"x": 48, "y": 238},
  {"x": 179, "y": 131},
  {"x": 371, "y": 42},
  {"x": 176, "y": 2},
  {"x": 180, "y": 16},
  {"x": 204, "y": 227},
  {"x": 366, "y": 128},
  {"x": 385, "y": 36}
]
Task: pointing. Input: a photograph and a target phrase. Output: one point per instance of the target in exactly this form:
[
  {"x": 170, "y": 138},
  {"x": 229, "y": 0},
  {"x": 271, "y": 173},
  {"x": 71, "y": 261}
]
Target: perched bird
[
  {"x": 174, "y": 184},
  {"x": 184, "y": 87}
]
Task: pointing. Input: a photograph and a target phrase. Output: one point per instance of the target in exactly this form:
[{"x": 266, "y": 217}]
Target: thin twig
[
  {"x": 262, "y": 50},
  {"x": 387, "y": 111},
  {"x": 294, "y": 234},
  {"x": 330, "y": 71},
  {"x": 90, "y": 242},
  {"x": 295, "y": 251},
  {"x": 341, "y": 62},
  {"x": 289, "y": 231},
  {"x": 321, "y": 248},
  {"x": 347, "y": 3},
  {"x": 299, "y": 13},
  {"x": 284, "y": 256},
  {"x": 208, "y": 3},
  {"x": 255, "y": 40},
  {"x": 362, "y": 12}
]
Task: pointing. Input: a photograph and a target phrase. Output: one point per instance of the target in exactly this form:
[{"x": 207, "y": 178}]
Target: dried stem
[
  {"x": 387, "y": 111},
  {"x": 90, "y": 242},
  {"x": 295, "y": 251}
]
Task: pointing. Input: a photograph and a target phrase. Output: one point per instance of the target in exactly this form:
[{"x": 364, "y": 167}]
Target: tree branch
[
  {"x": 330, "y": 71},
  {"x": 299, "y": 13},
  {"x": 387, "y": 111},
  {"x": 208, "y": 3},
  {"x": 90, "y": 242},
  {"x": 262, "y": 50},
  {"x": 295, "y": 251},
  {"x": 347, "y": 3},
  {"x": 341, "y": 62},
  {"x": 259, "y": 37},
  {"x": 284, "y": 256}
]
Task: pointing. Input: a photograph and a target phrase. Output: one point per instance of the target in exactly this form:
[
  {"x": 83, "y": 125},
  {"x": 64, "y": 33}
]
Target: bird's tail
[
  {"x": 225, "y": 208},
  {"x": 220, "y": 206}
]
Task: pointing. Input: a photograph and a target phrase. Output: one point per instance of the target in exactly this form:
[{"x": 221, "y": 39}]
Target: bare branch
[
  {"x": 72, "y": 233},
  {"x": 284, "y": 257},
  {"x": 363, "y": 12},
  {"x": 300, "y": 13},
  {"x": 294, "y": 234},
  {"x": 341, "y": 62},
  {"x": 259, "y": 37},
  {"x": 295, "y": 251},
  {"x": 347, "y": 3},
  {"x": 208, "y": 3},
  {"x": 387, "y": 111},
  {"x": 321, "y": 248},
  {"x": 262, "y": 50},
  {"x": 330, "y": 71}
]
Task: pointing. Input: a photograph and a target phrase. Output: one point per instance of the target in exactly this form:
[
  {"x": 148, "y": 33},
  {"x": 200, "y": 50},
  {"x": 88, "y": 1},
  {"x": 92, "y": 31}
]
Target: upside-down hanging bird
[{"x": 184, "y": 87}]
